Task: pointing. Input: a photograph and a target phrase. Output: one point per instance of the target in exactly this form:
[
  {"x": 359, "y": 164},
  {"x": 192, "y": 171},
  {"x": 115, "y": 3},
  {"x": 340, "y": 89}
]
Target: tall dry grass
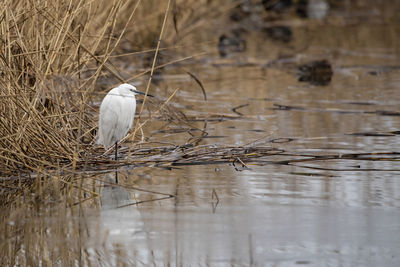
[
  {"x": 44, "y": 102},
  {"x": 52, "y": 55}
]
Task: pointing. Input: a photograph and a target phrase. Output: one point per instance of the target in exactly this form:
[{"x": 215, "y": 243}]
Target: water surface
[{"x": 333, "y": 212}]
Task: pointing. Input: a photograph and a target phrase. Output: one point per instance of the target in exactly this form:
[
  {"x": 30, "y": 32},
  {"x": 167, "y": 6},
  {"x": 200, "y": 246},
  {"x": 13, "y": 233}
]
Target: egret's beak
[{"x": 141, "y": 93}]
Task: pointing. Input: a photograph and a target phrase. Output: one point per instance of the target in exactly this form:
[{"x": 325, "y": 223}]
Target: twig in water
[
  {"x": 244, "y": 166},
  {"x": 214, "y": 204},
  {"x": 144, "y": 201},
  {"x": 236, "y": 108},
  {"x": 199, "y": 83}
]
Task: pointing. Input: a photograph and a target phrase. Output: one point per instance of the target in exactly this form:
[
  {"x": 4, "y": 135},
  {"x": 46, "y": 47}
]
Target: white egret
[{"x": 117, "y": 113}]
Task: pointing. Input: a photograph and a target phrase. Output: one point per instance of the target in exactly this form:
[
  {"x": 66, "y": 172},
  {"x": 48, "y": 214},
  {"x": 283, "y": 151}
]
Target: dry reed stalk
[{"x": 152, "y": 69}]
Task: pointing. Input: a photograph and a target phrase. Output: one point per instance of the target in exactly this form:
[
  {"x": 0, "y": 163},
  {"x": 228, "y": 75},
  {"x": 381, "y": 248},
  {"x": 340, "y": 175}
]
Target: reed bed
[{"x": 54, "y": 58}]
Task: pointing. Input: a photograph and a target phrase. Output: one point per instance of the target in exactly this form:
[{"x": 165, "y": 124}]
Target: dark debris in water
[
  {"x": 301, "y": 8},
  {"x": 286, "y": 107},
  {"x": 232, "y": 42},
  {"x": 238, "y": 107},
  {"x": 314, "y": 9},
  {"x": 376, "y": 134},
  {"x": 282, "y": 107},
  {"x": 317, "y": 72},
  {"x": 277, "y": 5},
  {"x": 279, "y": 33},
  {"x": 313, "y": 174},
  {"x": 240, "y": 12}
]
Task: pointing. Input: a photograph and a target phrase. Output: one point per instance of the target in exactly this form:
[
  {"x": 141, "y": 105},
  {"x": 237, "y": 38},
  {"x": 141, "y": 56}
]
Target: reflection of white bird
[
  {"x": 119, "y": 217},
  {"x": 117, "y": 112}
]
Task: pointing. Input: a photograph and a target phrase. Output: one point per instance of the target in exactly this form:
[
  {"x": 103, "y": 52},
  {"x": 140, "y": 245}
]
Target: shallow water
[{"x": 336, "y": 212}]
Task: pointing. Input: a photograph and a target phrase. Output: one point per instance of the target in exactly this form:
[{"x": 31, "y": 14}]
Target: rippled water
[{"x": 337, "y": 212}]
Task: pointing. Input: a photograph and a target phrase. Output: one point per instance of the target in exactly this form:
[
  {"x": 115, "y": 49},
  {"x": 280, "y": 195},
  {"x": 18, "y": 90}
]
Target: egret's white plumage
[{"x": 117, "y": 112}]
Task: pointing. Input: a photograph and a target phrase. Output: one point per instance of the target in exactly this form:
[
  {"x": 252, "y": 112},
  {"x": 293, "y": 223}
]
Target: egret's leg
[
  {"x": 116, "y": 158},
  {"x": 116, "y": 151}
]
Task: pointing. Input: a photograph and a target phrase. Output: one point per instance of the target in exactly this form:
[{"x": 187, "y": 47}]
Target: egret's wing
[
  {"x": 108, "y": 120},
  {"x": 116, "y": 117},
  {"x": 127, "y": 114}
]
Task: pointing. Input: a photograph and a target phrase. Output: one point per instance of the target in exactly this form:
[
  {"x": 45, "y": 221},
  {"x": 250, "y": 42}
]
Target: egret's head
[{"x": 129, "y": 89}]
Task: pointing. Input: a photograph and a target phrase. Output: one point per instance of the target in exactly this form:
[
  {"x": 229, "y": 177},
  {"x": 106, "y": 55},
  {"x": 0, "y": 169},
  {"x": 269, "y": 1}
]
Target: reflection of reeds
[{"x": 31, "y": 237}]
